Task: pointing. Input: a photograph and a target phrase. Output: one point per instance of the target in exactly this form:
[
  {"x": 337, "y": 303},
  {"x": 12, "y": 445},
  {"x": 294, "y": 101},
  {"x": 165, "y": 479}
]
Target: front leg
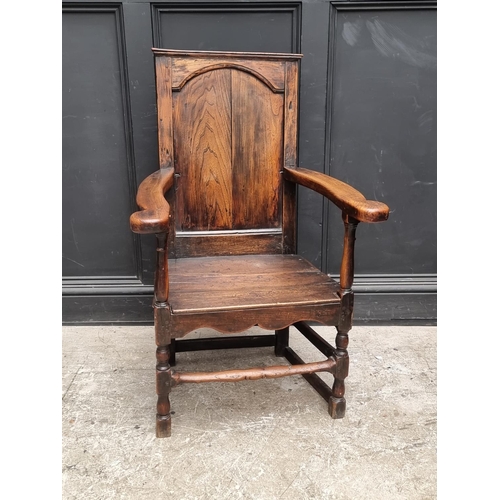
[
  {"x": 336, "y": 403},
  {"x": 163, "y": 388},
  {"x": 163, "y": 339}
]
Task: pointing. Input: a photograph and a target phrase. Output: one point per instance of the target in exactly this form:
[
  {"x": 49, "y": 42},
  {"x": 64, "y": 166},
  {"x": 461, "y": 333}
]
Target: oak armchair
[{"x": 223, "y": 209}]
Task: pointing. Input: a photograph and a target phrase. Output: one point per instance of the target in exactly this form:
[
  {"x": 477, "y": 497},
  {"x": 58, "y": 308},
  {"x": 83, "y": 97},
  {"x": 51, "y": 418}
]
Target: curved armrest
[
  {"x": 154, "y": 216},
  {"x": 348, "y": 199}
]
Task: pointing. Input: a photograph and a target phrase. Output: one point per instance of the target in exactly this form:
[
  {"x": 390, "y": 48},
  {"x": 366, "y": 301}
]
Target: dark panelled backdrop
[{"x": 368, "y": 117}]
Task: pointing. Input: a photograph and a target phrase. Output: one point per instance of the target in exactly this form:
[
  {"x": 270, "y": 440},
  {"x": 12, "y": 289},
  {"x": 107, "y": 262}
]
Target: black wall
[{"x": 368, "y": 117}]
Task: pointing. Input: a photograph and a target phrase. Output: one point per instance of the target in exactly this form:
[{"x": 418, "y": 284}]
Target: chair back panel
[
  {"x": 203, "y": 153},
  {"x": 222, "y": 127}
]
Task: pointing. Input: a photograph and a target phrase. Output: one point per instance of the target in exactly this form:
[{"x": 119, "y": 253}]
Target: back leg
[{"x": 281, "y": 341}]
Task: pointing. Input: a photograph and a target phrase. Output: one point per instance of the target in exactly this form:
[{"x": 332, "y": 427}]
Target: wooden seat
[
  {"x": 272, "y": 290},
  {"x": 223, "y": 208}
]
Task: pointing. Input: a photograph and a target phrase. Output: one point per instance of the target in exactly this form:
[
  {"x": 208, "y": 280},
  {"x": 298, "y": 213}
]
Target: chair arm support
[
  {"x": 348, "y": 199},
  {"x": 154, "y": 216}
]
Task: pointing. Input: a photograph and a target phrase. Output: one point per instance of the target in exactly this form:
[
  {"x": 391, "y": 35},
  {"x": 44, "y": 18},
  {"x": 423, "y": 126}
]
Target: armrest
[
  {"x": 154, "y": 216},
  {"x": 348, "y": 199}
]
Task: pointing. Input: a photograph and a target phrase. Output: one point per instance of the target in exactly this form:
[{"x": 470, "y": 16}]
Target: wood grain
[
  {"x": 163, "y": 67},
  {"x": 270, "y": 73},
  {"x": 290, "y": 126},
  {"x": 202, "y": 284},
  {"x": 154, "y": 216},
  {"x": 232, "y": 243},
  {"x": 348, "y": 199},
  {"x": 268, "y": 318},
  {"x": 202, "y": 142},
  {"x": 291, "y": 114},
  {"x": 161, "y": 275},
  {"x": 257, "y": 129},
  {"x": 253, "y": 373}
]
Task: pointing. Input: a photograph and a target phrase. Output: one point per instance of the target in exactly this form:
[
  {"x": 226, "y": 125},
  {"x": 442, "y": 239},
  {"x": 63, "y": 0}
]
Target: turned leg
[
  {"x": 281, "y": 341},
  {"x": 163, "y": 388},
  {"x": 336, "y": 403},
  {"x": 172, "y": 360},
  {"x": 163, "y": 339}
]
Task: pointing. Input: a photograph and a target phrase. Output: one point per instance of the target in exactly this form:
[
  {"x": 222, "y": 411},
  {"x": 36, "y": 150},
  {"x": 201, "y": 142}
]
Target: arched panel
[
  {"x": 230, "y": 65},
  {"x": 270, "y": 72},
  {"x": 257, "y": 118},
  {"x": 202, "y": 148},
  {"x": 228, "y": 146}
]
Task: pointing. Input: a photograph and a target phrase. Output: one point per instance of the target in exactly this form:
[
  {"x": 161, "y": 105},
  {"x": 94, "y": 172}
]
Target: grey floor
[{"x": 266, "y": 439}]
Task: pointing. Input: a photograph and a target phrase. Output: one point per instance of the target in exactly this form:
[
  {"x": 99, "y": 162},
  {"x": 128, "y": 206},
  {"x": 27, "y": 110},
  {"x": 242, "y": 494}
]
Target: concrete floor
[{"x": 266, "y": 439}]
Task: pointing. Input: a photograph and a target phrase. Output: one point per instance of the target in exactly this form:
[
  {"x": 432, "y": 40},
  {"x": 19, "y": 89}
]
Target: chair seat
[{"x": 245, "y": 282}]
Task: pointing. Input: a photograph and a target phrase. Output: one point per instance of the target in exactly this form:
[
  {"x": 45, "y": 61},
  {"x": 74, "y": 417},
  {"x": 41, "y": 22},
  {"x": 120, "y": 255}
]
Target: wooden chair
[{"x": 223, "y": 209}]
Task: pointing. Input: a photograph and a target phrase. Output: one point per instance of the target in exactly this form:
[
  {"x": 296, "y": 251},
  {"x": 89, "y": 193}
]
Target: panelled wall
[{"x": 367, "y": 116}]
